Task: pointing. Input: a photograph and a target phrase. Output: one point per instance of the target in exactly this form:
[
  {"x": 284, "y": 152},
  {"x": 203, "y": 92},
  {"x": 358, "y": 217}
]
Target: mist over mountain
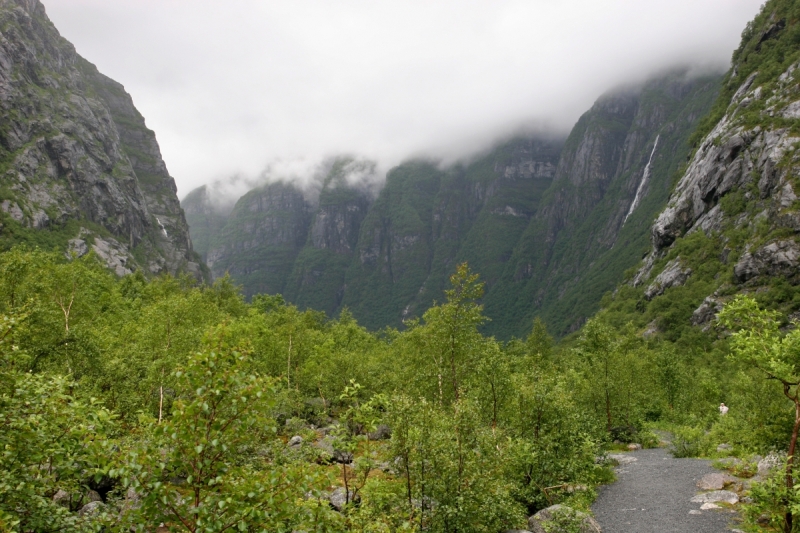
[
  {"x": 550, "y": 222},
  {"x": 234, "y": 87}
]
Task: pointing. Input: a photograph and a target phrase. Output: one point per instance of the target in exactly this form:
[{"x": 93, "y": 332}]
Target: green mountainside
[
  {"x": 132, "y": 401},
  {"x": 581, "y": 243},
  {"x": 80, "y": 169},
  {"x": 731, "y": 224},
  {"x": 540, "y": 220}
]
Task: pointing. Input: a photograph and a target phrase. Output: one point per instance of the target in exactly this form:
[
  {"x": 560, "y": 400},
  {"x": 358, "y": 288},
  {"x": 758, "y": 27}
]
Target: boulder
[
  {"x": 339, "y": 498},
  {"x": 622, "y": 458},
  {"x": 717, "y": 496},
  {"x": 93, "y": 496},
  {"x": 62, "y": 498},
  {"x": 562, "y": 519},
  {"x": 715, "y": 481},
  {"x": 634, "y": 446},
  {"x": 768, "y": 464},
  {"x": 724, "y": 447},
  {"x": 382, "y": 432},
  {"x": 295, "y": 441},
  {"x": 330, "y": 453},
  {"x": 91, "y": 508}
]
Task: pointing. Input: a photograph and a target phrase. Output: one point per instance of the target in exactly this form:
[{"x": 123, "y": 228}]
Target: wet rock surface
[{"x": 654, "y": 493}]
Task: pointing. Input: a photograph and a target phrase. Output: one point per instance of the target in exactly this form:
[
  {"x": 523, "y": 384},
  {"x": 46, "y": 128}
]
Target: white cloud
[{"x": 230, "y": 86}]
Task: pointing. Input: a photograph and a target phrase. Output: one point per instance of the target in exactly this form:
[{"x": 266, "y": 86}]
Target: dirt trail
[{"x": 653, "y": 493}]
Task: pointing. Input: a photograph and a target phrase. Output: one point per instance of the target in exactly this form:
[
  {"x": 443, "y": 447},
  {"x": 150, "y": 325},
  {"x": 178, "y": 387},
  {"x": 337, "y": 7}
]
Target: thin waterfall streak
[{"x": 642, "y": 183}]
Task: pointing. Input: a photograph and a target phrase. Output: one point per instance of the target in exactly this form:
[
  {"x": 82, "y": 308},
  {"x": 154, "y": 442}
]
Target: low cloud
[{"x": 234, "y": 87}]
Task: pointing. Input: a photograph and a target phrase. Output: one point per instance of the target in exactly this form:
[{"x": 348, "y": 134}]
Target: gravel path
[{"x": 653, "y": 494}]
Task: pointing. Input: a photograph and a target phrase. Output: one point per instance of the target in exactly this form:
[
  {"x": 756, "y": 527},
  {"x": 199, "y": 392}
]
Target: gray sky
[{"x": 232, "y": 86}]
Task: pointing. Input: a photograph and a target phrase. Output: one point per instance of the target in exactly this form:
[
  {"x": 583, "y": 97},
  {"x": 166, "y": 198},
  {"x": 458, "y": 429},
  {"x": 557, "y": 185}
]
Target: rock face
[
  {"x": 736, "y": 202},
  {"x": 673, "y": 275},
  {"x": 76, "y": 156},
  {"x": 550, "y": 224}
]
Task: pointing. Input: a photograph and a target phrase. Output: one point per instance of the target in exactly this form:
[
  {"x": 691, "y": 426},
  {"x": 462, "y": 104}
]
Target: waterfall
[
  {"x": 162, "y": 227},
  {"x": 642, "y": 183}
]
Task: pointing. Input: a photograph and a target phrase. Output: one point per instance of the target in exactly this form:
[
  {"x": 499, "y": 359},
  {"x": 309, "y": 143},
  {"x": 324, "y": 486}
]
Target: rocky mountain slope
[
  {"x": 731, "y": 224},
  {"x": 80, "y": 169},
  {"x": 549, "y": 224}
]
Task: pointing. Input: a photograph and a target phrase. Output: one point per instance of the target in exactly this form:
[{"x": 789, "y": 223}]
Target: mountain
[
  {"x": 731, "y": 223},
  {"x": 550, "y": 224},
  {"x": 614, "y": 175},
  {"x": 81, "y": 170}
]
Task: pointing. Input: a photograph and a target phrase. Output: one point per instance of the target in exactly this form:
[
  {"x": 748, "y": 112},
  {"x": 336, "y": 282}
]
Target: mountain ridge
[{"x": 510, "y": 213}]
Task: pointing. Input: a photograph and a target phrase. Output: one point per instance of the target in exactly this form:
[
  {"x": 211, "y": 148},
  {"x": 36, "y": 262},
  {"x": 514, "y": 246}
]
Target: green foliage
[
  {"x": 199, "y": 470},
  {"x": 50, "y": 442}
]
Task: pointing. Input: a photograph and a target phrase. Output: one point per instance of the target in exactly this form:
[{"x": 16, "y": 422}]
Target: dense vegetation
[{"x": 174, "y": 403}]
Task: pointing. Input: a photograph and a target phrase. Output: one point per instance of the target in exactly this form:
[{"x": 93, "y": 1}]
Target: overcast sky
[{"x": 231, "y": 86}]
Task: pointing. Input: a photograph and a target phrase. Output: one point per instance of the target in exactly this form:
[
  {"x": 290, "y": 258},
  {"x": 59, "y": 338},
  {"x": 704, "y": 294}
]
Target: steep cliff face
[
  {"x": 80, "y": 168},
  {"x": 205, "y": 218},
  {"x": 614, "y": 175},
  {"x": 262, "y": 237},
  {"x": 733, "y": 219},
  {"x": 318, "y": 277},
  {"x": 426, "y": 220},
  {"x": 550, "y": 225}
]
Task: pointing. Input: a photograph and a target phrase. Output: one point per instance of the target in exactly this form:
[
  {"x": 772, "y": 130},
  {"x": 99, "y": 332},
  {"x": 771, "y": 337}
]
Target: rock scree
[{"x": 654, "y": 494}]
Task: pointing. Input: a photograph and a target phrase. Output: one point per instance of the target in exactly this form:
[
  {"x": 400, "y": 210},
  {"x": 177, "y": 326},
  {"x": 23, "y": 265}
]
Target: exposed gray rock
[
  {"x": 715, "y": 481},
  {"x": 634, "y": 446},
  {"x": 673, "y": 275},
  {"x": 651, "y": 330},
  {"x": 622, "y": 458},
  {"x": 707, "y": 312},
  {"x": 562, "y": 519},
  {"x": 92, "y": 496},
  {"x": 779, "y": 258},
  {"x": 114, "y": 254},
  {"x": 339, "y": 498},
  {"x": 77, "y": 148},
  {"x": 295, "y": 441},
  {"x": 768, "y": 464},
  {"x": 62, "y": 498},
  {"x": 716, "y": 496},
  {"x": 330, "y": 453},
  {"x": 91, "y": 508},
  {"x": 78, "y": 247},
  {"x": 724, "y": 447},
  {"x": 382, "y": 432}
]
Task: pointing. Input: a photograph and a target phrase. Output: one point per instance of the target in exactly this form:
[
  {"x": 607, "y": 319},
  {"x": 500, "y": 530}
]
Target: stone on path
[
  {"x": 716, "y": 496},
  {"x": 560, "y": 518},
  {"x": 714, "y": 481},
  {"x": 622, "y": 458},
  {"x": 695, "y": 511},
  {"x": 707, "y": 506}
]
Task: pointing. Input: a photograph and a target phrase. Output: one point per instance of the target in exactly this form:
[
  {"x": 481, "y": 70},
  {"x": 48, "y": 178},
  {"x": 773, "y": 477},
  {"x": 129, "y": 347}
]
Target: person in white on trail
[{"x": 723, "y": 409}]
